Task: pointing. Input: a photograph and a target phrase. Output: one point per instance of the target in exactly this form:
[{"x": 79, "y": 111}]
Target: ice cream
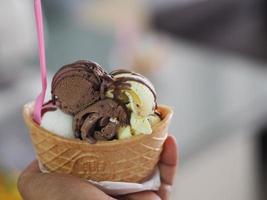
[
  {"x": 138, "y": 89},
  {"x": 100, "y": 121},
  {"x": 77, "y": 85},
  {"x": 56, "y": 121},
  {"x": 139, "y": 95},
  {"x": 100, "y": 106},
  {"x": 100, "y": 126}
]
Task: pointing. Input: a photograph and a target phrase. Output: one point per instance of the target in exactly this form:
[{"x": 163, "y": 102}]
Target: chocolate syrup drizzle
[
  {"x": 48, "y": 107},
  {"x": 87, "y": 66}
]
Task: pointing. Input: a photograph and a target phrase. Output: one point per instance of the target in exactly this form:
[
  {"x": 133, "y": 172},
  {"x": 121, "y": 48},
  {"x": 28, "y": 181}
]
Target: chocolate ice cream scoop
[
  {"x": 77, "y": 85},
  {"x": 100, "y": 120}
]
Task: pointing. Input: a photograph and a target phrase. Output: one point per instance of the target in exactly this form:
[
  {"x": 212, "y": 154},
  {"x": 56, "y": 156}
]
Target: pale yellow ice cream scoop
[
  {"x": 140, "y": 92},
  {"x": 140, "y": 97}
]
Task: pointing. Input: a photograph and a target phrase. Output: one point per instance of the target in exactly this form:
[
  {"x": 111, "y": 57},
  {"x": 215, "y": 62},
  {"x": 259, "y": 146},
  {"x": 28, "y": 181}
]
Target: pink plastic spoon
[{"x": 41, "y": 44}]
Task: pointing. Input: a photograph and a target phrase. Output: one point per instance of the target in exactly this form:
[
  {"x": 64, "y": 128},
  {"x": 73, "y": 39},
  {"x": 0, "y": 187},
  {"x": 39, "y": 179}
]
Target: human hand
[
  {"x": 34, "y": 185},
  {"x": 168, "y": 165}
]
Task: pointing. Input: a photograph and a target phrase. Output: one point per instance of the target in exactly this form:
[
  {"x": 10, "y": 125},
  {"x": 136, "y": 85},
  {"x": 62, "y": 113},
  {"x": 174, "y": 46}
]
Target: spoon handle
[{"x": 42, "y": 58}]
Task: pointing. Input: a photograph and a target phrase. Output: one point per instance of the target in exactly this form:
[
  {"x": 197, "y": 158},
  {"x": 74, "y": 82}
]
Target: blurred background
[{"x": 206, "y": 58}]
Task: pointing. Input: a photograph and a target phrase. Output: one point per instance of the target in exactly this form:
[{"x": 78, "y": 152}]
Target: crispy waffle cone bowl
[{"x": 128, "y": 160}]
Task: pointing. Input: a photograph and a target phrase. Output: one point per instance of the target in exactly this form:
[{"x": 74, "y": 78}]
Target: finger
[
  {"x": 147, "y": 195},
  {"x": 32, "y": 168},
  {"x": 23, "y": 179},
  {"x": 41, "y": 186},
  {"x": 58, "y": 186},
  {"x": 164, "y": 191},
  {"x": 168, "y": 161},
  {"x": 169, "y": 155}
]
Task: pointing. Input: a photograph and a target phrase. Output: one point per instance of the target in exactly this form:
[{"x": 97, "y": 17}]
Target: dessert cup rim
[{"x": 28, "y": 118}]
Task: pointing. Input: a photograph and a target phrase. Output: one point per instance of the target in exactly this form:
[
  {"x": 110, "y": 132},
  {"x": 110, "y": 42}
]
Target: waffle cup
[{"x": 127, "y": 160}]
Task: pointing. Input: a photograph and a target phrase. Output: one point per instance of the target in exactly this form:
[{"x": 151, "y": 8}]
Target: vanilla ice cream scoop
[
  {"x": 138, "y": 93},
  {"x": 58, "y": 123},
  {"x": 137, "y": 89}
]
